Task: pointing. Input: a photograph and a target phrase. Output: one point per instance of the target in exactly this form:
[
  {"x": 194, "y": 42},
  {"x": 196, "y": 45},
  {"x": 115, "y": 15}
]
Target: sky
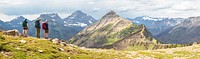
[{"x": 31, "y": 9}]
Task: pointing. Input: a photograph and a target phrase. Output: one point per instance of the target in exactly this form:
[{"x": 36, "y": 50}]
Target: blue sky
[{"x": 31, "y": 9}]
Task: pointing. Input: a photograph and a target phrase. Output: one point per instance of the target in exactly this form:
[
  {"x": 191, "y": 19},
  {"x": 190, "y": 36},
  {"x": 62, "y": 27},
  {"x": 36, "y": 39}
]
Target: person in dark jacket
[
  {"x": 37, "y": 26},
  {"x": 25, "y": 28},
  {"x": 45, "y": 27}
]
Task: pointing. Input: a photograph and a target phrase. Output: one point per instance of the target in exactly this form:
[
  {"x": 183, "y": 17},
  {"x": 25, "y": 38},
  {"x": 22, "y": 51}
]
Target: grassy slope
[{"x": 10, "y": 47}]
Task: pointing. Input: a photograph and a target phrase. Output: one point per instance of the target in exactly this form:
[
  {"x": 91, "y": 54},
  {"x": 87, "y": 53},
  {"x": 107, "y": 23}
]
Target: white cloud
[
  {"x": 97, "y": 8},
  {"x": 6, "y": 17},
  {"x": 91, "y": 2}
]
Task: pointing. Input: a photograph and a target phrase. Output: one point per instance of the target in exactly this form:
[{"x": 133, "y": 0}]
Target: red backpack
[{"x": 44, "y": 27}]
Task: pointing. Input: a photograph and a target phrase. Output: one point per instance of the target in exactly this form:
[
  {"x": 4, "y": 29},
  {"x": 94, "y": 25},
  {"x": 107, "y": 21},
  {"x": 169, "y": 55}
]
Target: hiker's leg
[
  {"x": 44, "y": 34},
  {"x": 26, "y": 33},
  {"x": 37, "y": 32},
  {"x": 23, "y": 32},
  {"x": 47, "y": 35}
]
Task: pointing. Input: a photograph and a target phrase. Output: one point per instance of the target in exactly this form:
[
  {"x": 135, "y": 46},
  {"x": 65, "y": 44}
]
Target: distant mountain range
[
  {"x": 186, "y": 32},
  {"x": 59, "y": 28},
  {"x": 79, "y": 18},
  {"x": 157, "y": 25},
  {"x": 166, "y": 30}
]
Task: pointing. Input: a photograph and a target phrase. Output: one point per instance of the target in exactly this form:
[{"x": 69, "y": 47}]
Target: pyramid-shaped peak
[
  {"x": 111, "y": 14},
  {"x": 20, "y": 18},
  {"x": 78, "y": 12}
]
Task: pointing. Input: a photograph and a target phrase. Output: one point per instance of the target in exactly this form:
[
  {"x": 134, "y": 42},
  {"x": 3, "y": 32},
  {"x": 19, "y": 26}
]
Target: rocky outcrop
[{"x": 13, "y": 32}]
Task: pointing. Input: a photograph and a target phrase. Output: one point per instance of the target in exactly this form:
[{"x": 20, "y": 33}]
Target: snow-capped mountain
[
  {"x": 59, "y": 28},
  {"x": 52, "y": 18},
  {"x": 16, "y": 23},
  {"x": 157, "y": 25},
  {"x": 79, "y": 18}
]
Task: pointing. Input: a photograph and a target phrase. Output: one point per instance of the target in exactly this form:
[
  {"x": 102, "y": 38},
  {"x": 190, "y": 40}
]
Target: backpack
[
  {"x": 37, "y": 24},
  {"x": 24, "y": 23},
  {"x": 44, "y": 27}
]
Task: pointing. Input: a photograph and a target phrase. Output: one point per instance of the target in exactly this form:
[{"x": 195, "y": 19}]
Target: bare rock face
[{"x": 13, "y": 32}]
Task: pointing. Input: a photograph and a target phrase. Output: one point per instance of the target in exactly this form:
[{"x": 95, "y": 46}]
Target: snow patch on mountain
[
  {"x": 90, "y": 21},
  {"x": 151, "y": 18},
  {"x": 135, "y": 21},
  {"x": 77, "y": 24}
]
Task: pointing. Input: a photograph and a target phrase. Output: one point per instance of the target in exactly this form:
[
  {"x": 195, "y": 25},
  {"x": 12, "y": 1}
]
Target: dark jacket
[{"x": 37, "y": 24}]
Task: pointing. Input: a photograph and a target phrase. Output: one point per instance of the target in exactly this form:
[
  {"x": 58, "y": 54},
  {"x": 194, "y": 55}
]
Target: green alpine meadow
[{"x": 99, "y": 29}]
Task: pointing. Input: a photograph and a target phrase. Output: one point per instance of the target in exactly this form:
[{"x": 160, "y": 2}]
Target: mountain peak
[
  {"x": 111, "y": 14},
  {"x": 20, "y": 17},
  {"x": 50, "y": 15},
  {"x": 78, "y": 12}
]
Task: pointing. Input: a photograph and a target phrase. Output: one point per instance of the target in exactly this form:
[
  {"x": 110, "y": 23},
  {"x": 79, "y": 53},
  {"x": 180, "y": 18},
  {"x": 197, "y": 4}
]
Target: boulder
[
  {"x": 41, "y": 51},
  {"x": 56, "y": 41},
  {"x": 63, "y": 43},
  {"x": 22, "y": 41},
  {"x": 13, "y": 32}
]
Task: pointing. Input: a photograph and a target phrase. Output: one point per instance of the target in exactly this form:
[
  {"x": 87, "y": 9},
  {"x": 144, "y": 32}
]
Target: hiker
[
  {"x": 45, "y": 28},
  {"x": 37, "y": 26},
  {"x": 25, "y": 28}
]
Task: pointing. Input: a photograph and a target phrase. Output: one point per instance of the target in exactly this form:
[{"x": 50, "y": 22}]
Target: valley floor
[{"x": 14, "y": 47}]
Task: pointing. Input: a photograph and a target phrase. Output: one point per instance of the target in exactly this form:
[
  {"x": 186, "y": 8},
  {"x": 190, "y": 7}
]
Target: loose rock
[
  {"x": 61, "y": 49},
  {"x": 55, "y": 41},
  {"x": 22, "y": 41}
]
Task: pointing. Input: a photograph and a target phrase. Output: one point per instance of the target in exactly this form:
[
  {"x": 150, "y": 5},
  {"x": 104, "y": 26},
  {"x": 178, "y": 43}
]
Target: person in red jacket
[{"x": 45, "y": 27}]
